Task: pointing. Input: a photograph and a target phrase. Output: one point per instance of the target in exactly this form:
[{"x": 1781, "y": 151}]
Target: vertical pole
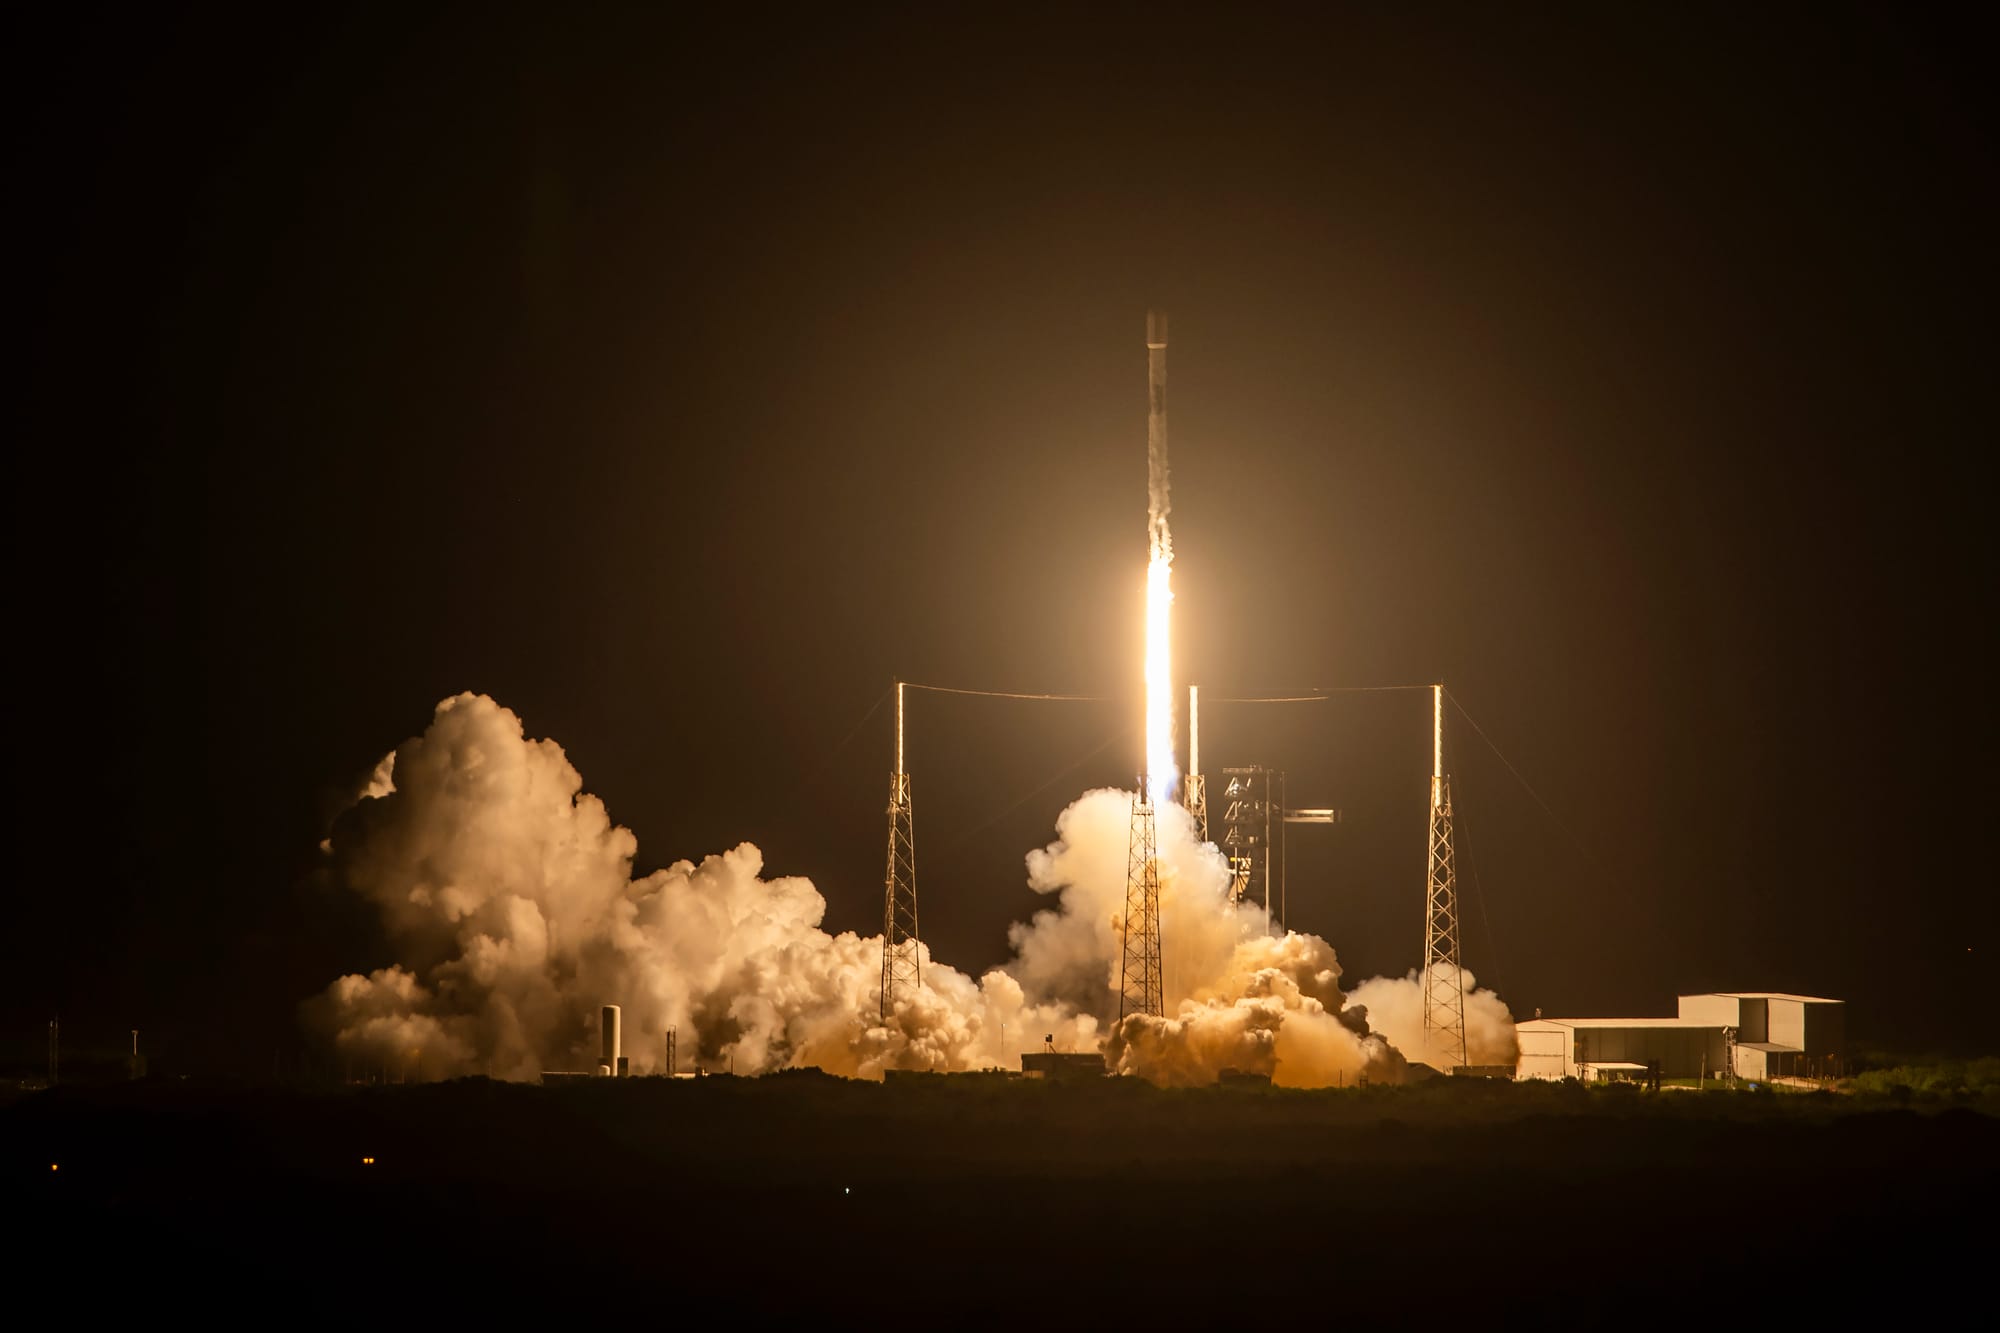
[
  {"x": 1284, "y": 853},
  {"x": 1267, "y": 850},
  {"x": 1437, "y": 735},
  {"x": 899, "y": 728},
  {"x": 1194, "y": 728},
  {"x": 1194, "y": 787}
]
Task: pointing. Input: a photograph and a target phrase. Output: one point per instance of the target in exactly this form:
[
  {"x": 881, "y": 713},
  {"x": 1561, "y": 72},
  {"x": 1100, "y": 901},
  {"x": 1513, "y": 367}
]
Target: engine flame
[
  {"x": 1162, "y": 776},
  {"x": 1161, "y": 772}
]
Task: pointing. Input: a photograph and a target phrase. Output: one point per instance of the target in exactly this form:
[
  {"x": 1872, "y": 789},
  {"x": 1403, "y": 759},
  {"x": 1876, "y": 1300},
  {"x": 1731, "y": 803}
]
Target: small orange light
[
  {"x": 54, "y": 1166},
  {"x": 368, "y": 1161}
]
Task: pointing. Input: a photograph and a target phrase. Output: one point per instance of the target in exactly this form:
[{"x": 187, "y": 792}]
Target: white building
[
  {"x": 1598, "y": 1048},
  {"x": 1777, "y": 1035},
  {"x": 1755, "y": 1035}
]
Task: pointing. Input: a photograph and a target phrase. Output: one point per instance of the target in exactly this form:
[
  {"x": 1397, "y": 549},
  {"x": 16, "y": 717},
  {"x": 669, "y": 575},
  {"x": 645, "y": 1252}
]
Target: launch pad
[{"x": 1254, "y": 812}]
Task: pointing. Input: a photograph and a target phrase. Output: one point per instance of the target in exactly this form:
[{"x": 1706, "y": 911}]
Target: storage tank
[{"x": 608, "y": 1035}]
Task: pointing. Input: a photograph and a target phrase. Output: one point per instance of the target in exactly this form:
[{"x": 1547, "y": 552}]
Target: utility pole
[
  {"x": 1444, "y": 985},
  {"x": 901, "y": 967}
]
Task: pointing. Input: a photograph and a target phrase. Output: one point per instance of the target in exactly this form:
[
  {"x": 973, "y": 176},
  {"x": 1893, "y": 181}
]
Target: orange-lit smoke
[{"x": 512, "y": 914}]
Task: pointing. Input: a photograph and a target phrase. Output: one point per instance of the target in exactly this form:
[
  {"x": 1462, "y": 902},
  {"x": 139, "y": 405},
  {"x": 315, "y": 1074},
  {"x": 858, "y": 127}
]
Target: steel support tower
[
  {"x": 1140, "y": 990},
  {"x": 1444, "y": 986},
  {"x": 901, "y": 967}
]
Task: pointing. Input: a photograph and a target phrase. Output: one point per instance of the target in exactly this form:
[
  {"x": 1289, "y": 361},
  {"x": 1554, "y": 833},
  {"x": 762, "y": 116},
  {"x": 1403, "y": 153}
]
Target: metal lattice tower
[
  {"x": 901, "y": 968},
  {"x": 1140, "y": 990},
  {"x": 1444, "y": 988}
]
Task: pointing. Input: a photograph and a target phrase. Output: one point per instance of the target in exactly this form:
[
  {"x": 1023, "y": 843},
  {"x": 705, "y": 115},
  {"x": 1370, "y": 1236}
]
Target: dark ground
[{"x": 974, "y": 1200}]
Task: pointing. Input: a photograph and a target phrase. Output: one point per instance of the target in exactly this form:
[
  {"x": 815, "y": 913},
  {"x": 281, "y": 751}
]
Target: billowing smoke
[
  {"x": 508, "y": 897},
  {"x": 1396, "y": 1010},
  {"x": 1237, "y": 996}
]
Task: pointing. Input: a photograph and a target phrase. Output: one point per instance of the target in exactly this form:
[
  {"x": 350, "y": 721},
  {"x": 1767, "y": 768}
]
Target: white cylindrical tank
[{"x": 608, "y": 1036}]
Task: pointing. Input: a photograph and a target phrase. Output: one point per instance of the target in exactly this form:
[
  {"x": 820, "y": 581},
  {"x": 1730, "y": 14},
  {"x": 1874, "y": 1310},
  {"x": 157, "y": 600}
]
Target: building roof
[
  {"x": 1613, "y": 1064},
  {"x": 1621, "y": 1023},
  {"x": 1771, "y": 1047},
  {"x": 1770, "y": 995}
]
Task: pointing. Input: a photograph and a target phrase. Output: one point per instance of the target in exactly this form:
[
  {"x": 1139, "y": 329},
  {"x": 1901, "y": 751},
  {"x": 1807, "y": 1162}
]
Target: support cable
[
  {"x": 809, "y": 781},
  {"x": 1497, "y": 983},
  {"x": 1525, "y": 785},
  {"x": 1059, "y": 775},
  {"x": 1010, "y": 694},
  {"x": 855, "y": 730},
  {"x": 1319, "y": 694}
]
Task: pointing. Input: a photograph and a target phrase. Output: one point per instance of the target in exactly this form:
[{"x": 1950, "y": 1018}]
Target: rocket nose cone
[{"x": 1156, "y": 328}]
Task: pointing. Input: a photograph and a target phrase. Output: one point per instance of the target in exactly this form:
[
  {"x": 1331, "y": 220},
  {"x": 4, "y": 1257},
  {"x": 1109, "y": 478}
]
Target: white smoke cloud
[
  {"x": 509, "y": 900},
  {"x": 509, "y": 897},
  {"x": 1396, "y": 1010},
  {"x": 1235, "y": 996}
]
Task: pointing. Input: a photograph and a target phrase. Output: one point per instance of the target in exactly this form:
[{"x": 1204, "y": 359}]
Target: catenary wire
[
  {"x": 1053, "y": 779},
  {"x": 1007, "y": 694},
  {"x": 1526, "y": 786}
]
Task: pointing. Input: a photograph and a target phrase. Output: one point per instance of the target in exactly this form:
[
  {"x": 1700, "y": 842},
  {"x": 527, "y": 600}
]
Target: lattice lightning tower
[
  {"x": 1444, "y": 987},
  {"x": 901, "y": 968}
]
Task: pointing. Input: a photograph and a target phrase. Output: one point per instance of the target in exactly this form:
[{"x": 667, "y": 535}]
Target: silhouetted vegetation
[{"x": 1948, "y": 1080}]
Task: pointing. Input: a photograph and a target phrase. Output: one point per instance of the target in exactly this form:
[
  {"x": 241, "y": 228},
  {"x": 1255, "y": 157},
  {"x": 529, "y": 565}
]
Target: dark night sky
[{"x": 679, "y": 387}]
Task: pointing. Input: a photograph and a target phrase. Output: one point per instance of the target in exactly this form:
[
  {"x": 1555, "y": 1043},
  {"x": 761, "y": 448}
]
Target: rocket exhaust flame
[{"x": 1161, "y": 773}]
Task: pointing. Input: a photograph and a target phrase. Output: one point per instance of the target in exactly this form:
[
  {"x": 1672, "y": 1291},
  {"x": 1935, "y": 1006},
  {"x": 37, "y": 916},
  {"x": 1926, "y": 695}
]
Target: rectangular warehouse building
[
  {"x": 1755, "y": 1035},
  {"x": 1596, "y": 1048}
]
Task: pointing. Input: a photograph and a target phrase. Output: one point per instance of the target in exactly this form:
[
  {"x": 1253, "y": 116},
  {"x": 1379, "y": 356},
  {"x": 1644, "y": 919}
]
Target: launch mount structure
[
  {"x": 1444, "y": 984},
  {"x": 1253, "y": 834},
  {"x": 1253, "y": 814},
  {"x": 901, "y": 967},
  {"x": 1140, "y": 988}
]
